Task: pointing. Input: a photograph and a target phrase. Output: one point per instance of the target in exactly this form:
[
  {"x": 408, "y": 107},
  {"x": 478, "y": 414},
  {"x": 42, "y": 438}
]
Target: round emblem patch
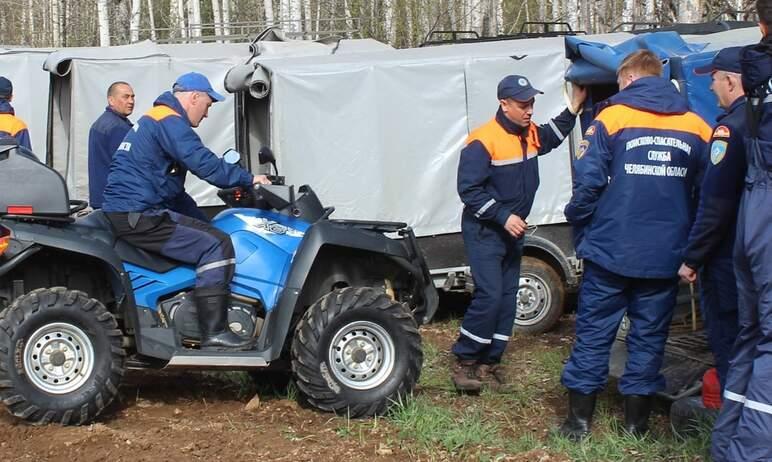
[{"x": 522, "y": 82}]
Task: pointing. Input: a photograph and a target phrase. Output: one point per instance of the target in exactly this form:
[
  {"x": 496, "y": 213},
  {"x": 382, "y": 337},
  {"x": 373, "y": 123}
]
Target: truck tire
[
  {"x": 540, "y": 297},
  {"x": 61, "y": 358},
  {"x": 355, "y": 352}
]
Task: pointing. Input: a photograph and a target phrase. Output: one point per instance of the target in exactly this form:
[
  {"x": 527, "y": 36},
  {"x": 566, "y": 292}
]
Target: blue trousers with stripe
[
  {"x": 604, "y": 297},
  {"x": 494, "y": 256},
  {"x": 181, "y": 238},
  {"x": 743, "y": 430}
]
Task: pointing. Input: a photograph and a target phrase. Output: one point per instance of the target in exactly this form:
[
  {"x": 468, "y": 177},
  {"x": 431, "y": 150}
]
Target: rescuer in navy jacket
[
  {"x": 498, "y": 174},
  {"x": 10, "y": 125},
  {"x": 633, "y": 199},
  {"x": 146, "y": 187},
  {"x": 743, "y": 430},
  {"x": 104, "y": 137},
  {"x": 712, "y": 237}
]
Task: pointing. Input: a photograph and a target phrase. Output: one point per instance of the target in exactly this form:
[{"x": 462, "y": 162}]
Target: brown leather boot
[
  {"x": 464, "y": 376},
  {"x": 492, "y": 376}
]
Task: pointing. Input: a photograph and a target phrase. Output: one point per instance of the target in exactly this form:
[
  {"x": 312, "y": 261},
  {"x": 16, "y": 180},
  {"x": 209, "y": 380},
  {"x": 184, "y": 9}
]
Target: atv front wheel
[
  {"x": 356, "y": 351},
  {"x": 61, "y": 358}
]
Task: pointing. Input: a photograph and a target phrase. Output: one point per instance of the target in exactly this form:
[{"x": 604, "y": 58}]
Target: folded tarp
[{"x": 595, "y": 63}]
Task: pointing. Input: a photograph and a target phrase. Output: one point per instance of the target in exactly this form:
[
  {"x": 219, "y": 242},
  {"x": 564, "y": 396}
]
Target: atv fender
[{"x": 351, "y": 235}]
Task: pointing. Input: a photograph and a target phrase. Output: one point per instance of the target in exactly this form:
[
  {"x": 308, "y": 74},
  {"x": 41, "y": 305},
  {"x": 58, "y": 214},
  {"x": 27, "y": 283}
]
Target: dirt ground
[{"x": 204, "y": 416}]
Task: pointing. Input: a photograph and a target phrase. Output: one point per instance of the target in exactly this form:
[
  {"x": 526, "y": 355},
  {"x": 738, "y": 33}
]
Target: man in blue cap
[
  {"x": 712, "y": 237},
  {"x": 146, "y": 202},
  {"x": 10, "y": 125},
  {"x": 498, "y": 174}
]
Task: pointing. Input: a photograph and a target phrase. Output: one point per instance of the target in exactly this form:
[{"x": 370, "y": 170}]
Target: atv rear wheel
[
  {"x": 356, "y": 351},
  {"x": 61, "y": 358}
]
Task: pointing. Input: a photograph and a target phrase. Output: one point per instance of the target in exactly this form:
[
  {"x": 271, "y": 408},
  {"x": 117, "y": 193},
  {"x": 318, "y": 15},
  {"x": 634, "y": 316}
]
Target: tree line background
[{"x": 401, "y": 23}]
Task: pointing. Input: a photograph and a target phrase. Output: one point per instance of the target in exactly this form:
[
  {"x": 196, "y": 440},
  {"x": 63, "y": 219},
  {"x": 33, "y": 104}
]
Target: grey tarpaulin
[
  {"x": 24, "y": 67},
  {"x": 378, "y": 134},
  {"x": 80, "y": 78}
]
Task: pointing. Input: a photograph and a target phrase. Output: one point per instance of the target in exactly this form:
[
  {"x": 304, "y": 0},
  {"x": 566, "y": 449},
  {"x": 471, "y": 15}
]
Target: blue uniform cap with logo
[
  {"x": 516, "y": 87},
  {"x": 6, "y": 88},
  {"x": 727, "y": 60},
  {"x": 193, "y": 81}
]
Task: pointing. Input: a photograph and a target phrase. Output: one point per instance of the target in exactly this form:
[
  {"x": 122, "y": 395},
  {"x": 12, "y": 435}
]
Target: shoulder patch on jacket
[
  {"x": 717, "y": 151},
  {"x": 590, "y": 131},
  {"x": 722, "y": 131},
  {"x": 583, "y": 145},
  {"x": 159, "y": 113}
]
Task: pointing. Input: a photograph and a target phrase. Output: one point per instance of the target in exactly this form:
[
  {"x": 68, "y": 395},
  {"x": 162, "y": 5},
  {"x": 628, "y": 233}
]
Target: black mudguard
[{"x": 357, "y": 235}]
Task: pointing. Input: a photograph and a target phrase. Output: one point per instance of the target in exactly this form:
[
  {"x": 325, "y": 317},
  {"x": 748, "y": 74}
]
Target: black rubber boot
[
  {"x": 579, "y": 421},
  {"x": 213, "y": 322},
  {"x": 637, "y": 410}
]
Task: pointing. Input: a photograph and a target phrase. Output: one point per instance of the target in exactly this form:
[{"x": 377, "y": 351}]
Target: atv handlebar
[{"x": 278, "y": 197}]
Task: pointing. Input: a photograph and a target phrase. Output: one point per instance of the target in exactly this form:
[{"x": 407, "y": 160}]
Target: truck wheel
[
  {"x": 355, "y": 352},
  {"x": 61, "y": 358},
  {"x": 540, "y": 297}
]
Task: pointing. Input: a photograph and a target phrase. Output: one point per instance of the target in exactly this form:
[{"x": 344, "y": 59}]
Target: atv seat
[
  {"x": 143, "y": 258},
  {"x": 127, "y": 252}
]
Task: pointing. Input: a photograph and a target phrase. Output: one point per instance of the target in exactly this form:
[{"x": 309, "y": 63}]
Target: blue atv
[{"x": 338, "y": 302}]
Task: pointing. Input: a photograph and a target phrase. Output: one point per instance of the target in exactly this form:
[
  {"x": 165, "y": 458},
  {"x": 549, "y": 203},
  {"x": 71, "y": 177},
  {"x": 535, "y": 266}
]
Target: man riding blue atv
[{"x": 79, "y": 305}]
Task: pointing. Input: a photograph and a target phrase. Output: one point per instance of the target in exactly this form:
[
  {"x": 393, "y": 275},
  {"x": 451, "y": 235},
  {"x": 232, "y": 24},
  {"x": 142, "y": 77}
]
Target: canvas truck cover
[
  {"x": 379, "y": 134},
  {"x": 24, "y": 67},
  {"x": 80, "y": 78}
]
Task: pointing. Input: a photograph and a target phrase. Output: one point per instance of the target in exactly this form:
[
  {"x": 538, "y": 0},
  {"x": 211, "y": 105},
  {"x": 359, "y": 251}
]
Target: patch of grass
[
  {"x": 431, "y": 425},
  {"x": 435, "y": 374}
]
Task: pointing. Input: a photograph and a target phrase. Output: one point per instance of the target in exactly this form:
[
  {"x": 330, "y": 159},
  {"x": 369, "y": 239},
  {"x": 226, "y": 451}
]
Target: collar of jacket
[
  {"x": 652, "y": 94},
  {"x": 168, "y": 99},
  {"x": 6, "y": 108},
  {"x": 738, "y": 104},
  {"x": 509, "y": 126},
  {"x": 120, "y": 116}
]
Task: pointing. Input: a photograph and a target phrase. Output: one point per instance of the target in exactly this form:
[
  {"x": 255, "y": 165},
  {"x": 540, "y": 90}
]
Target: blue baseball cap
[
  {"x": 516, "y": 87},
  {"x": 193, "y": 81},
  {"x": 6, "y": 88},
  {"x": 727, "y": 60}
]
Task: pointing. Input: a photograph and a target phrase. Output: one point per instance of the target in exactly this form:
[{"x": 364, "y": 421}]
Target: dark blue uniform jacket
[
  {"x": 149, "y": 168},
  {"x": 635, "y": 178},
  {"x": 104, "y": 137},
  {"x": 12, "y": 126},
  {"x": 713, "y": 232},
  {"x": 498, "y": 172}
]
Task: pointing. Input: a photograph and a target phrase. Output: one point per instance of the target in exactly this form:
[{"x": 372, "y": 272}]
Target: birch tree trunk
[
  {"x": 31, "y": 22},
  {"x": 226, "y": 19},
  {"x": 103, "y": 15},
  {"x": 542, "y": 10},
  {"x": 56, "y": 33},
  {"x": 194, "y": 18},
  {"x": 217, "y": 18},
  {"x": 388, "y": 21},
  {"x": 555, "y": 10},
  {"x": 349, "y": 21},
  {"x": 572, "y": 11},
  {"x": 268, "y": 7},
  {"x": 627, "y": 11},
  {"x": 136, "y": 10},
  {"x": 295, "y": 9},
  {"x": 689, "y": 11},
  {"x": 308, "y": 24},
  {"x": 153, "y": 34}
]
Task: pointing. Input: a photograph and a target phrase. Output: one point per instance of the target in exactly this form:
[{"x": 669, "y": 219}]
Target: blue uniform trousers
[
  {"x": 182, "y": 238},
  {"x": 743, "y": 430},
  {"x": 494, "y": 257},
  {"x": 718, "y": 301},
  {"x": 604, "y": 297}
]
